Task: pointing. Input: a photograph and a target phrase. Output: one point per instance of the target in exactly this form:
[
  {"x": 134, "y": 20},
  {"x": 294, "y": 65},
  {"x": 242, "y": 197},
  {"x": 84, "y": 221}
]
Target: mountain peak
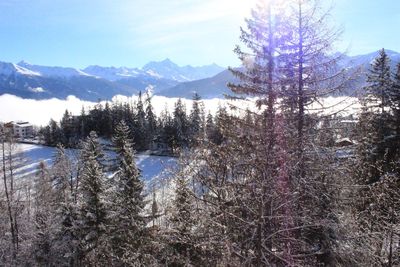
[
  {"x": 170, "y": 70},
  {"x": 23, "y": 63},
  {"x": 154, "y": 64},
  {"x": 167, "y": 60}
]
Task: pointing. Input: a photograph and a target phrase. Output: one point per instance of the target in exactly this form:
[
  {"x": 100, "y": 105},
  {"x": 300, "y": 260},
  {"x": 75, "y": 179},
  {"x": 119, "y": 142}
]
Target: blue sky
[{"x": 130, "y": 33}]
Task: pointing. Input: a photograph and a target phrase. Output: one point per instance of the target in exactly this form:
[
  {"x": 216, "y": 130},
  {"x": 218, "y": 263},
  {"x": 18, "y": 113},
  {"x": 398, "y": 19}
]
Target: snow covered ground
[{"x": 29, "y": 157}]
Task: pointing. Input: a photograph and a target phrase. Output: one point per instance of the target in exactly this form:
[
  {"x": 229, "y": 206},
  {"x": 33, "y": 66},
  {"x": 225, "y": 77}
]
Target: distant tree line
[{"x": 177, "y": 130}]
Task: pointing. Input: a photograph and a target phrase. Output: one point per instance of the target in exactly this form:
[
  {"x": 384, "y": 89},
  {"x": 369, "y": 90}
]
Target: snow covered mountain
[
  {"x": 358, "y": 66},
  {"x": 42, "y": 82},
  {"x": 169, "y": 70},
  {"x": 10, "y": 68},
  {"x": 166, "y": 78},
  {"x": 52, "y": 71},
  {"x": 367, "y": 59},
  {"x": 216, "y": 86},
  {"x": 165, "y": 69},
  {"x": 94, "y": 82},
  {"x": 112, "y": 73}
]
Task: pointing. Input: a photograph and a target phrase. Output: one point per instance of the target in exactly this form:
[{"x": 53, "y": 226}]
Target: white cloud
[
  {"x": 37, "y": 90},
  {"x": 38, "y": 112}
]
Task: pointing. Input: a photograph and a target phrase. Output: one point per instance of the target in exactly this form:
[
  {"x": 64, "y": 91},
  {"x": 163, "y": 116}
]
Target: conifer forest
[{"x": 279, "y": 184}]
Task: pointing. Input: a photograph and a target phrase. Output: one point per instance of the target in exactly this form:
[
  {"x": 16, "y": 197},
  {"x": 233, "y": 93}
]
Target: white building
[{"x": 22, "y": 129}]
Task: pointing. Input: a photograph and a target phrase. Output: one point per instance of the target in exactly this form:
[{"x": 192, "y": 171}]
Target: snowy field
[
  {"x": 153, "y": 167},
  {"x": 39, "y": 112}
]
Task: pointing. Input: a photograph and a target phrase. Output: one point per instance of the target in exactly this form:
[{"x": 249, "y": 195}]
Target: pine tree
[
  {"x": 83, "y": 124},
  {"x": 210, "y": 126},
  {"x": 395, "y": 92},
  {"x": 93, "y": 213},
  {"x": 167, "y": 133},
  {"x": 196, "y": 120},
  {"x": 377, "y": 164},
  {"x": 139, "y": 133},
  {"x": 182, "y": 237},
  {"x": 43, "y": 217},
  {"x": 260, "y": 78},
  {"x": 151, "y": 121},
  {"x": 66, "y": 129},
  {"x": 62, "y": 176},
  {"x": 107, "y": 121},
  {"x": 309, "y": 73},
  {"x": 377, "y": 142},
  {"x": 181, "y": 125},
  {"x": 56, "y": 135},
  {"x": 395, "y": 103},
  {"x": 128, "y": 231},
  {"x": 287, "y": 57},
  {"x": 46, "y": 133},
  {"x": 65, "y": 210},
  {"x": 380, "y": 82},
  {"x": 216, "y": 135}
]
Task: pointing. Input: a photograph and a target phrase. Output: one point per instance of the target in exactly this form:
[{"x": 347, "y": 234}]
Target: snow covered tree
[
  {"x": 214, "y": 128},
  {"x": 127, "y": 230},
  {"x": 180, "y": 124},
  {"x": 9, "y": 160},
  {"x": 287, "y": 57},
  {"x": 66, "y": 129},
  {"x": 93, "y": 213},
  {"x": 380, "y": 82},
  {"x": 167, "y": 133},
  {"x": 377, "y": 134},
  {"x": 395, "y": 105},
  {"x": 53, "y": 134},
  {"x": 377, "y": 167},
  {"x": 107, "y": 121},
  {"x": 43, "y": 218},
  {"x": 261, "y": 77},
  {"x": 62, "y": 174},
  {"x": 65, "y": 239},
  {"x": 182, "y": 239},
  {"x": 395, "y": 92},
  {"x": 151, "y": 121},
  {"x": 139, "y": 134},
  {"x": 154, "y": 209},
  {"x": 196, "y": 120}
]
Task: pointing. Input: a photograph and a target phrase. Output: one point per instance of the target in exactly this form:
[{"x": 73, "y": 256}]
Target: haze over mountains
[{"x": 165, "y": 78}]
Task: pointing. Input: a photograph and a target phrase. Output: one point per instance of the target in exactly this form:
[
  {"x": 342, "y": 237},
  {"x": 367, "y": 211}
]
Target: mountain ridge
[
  {"x": 92, "y": 83},
  {"x": 217, "y": 85},
  {"x": 166, "y": 78}
]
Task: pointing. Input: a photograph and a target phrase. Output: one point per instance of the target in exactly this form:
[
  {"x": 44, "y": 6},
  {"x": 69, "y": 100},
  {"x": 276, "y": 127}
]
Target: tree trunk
[
  {"x": 9, "y": 207},
  {"x": 300, "y": 95}
]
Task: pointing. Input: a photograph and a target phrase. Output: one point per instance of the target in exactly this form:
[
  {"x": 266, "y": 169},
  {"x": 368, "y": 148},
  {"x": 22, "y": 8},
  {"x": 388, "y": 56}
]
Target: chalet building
[{"x": 19, "y": 129}]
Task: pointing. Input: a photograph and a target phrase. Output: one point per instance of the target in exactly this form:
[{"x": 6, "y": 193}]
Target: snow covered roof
[
  {"x": 348, "y": 121},
  {"x": 345, "y": 142},
  {"x": 22, "y": 124}
]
